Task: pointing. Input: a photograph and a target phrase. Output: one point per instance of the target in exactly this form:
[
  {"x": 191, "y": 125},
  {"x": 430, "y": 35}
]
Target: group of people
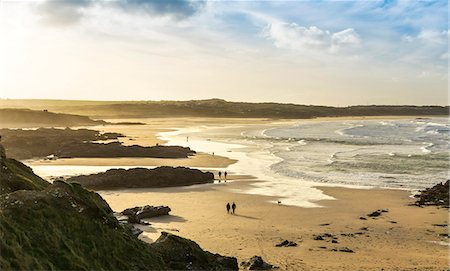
[
  {"x": 224, "y": 175},
  {"x": 232, "y": 207}
]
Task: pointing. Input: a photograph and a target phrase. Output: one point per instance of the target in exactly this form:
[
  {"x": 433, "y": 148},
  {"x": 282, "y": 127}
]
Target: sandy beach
[{"x": 403, "y": 238}]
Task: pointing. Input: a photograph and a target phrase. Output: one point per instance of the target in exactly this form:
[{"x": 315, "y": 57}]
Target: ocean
[
  {"x": 411, "y": 154},
  {"x": 291, "y": 159}
]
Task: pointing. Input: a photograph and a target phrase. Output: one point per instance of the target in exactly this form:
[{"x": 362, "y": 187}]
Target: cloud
[
  {"x": 433, "y": 36},
  {"x": 345, "y": 39},
  {"x": 61, "y": 12},
  {"x": 178, "y": 9},
  {"x": 296, "y": 37},
  {"x": 429, "y": 36}
]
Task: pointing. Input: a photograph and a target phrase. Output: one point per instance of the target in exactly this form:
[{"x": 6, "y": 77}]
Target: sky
[{"x": 307, "y": 52}]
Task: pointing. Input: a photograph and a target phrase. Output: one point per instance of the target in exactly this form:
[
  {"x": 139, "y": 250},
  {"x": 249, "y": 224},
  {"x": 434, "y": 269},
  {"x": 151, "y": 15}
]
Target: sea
[{"x": 292, "y": 159}]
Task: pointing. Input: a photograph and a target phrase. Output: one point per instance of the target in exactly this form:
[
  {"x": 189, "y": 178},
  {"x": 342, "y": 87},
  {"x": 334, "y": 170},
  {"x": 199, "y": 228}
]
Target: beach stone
[
  {"x": 436, "y": 195},
  {"x": 343, "y": 249},
  {"x": 257, "y": 263},
  {"x": 135, "y": 214},
  {"x": 375, "y": 214},
  {"x": 287, "y": 243}
]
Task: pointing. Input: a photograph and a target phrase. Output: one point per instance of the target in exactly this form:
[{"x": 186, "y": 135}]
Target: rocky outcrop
[
  {"x": 135, "y": 214},
  {"x": 116, "y": 149},
  {"x": 70, "y": 143},
  {"x": 436, "y": 195},
  {"x": 257, "y": 263},
  {"x": 144, "y": 178},
  {"x": 183, "y": 254},
  {"x": 62, "y": 226},
  {"x": 42, "y": 142}
]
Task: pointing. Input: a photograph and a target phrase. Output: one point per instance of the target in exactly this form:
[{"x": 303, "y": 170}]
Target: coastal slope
[
  {"x": 22, "y": 117},
  {"x": 63, "y": 226}
]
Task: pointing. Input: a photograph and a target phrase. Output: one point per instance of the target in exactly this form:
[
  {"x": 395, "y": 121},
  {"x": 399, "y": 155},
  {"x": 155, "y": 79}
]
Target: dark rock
[
  {"x": 362, "y": 218},
  {"x": 324, "y": 236},
  {"x": 346, "y": 249},
  {"x": 364, "y": 228},
  {"x": 257, "y": 263},
  {"x": 334, "y": 241},
  {"x": 144, "y": 178},
  {"x": 343, "y": 249},
  {"x": 436, "y": 195},
  {"x": 147, "y": 211},
  {"x": 375, "y": 214},
  {"x": 282, "y": 244},
  {"x": 182, "y": 254},
  {"x": 286, "y": 243},
  {"x": 318, "y": 237},
  {"x": 440, "y": 225},
  {"x": 324, "y": 224}
]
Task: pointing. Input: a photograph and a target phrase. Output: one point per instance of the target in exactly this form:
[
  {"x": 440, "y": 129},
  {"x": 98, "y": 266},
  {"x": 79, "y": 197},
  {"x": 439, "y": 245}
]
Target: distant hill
[
  {"x": 21, "y": 118},
  {"x": 221, "y": 108}
]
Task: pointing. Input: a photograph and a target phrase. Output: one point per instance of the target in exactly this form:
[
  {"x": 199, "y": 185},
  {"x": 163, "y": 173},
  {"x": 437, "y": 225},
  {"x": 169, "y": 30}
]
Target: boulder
[
  {"x": 182, "y": 254},
  {"x": 135, "y": 214},
  {"x": 257, "y": 263},
  {"x": 287, "y": 243},
  {"x": 436, "y": 195}
]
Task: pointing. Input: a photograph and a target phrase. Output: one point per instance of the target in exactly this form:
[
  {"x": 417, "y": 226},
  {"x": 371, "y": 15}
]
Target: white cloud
[
  {"x": 344, "y": 39},
  {"x": 429, "y": 36},
  {"x": 296, "y": 37},
  {"x": 432, "y": 36}
]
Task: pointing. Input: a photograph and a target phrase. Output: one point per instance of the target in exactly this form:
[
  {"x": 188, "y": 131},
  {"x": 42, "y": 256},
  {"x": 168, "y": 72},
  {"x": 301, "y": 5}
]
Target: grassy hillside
[
  {"x": 63, "y": 226},
  {"x": 14, "y": 117},
  {"x": 220, "y": 108},
  {"x": 16, "y": 176}
]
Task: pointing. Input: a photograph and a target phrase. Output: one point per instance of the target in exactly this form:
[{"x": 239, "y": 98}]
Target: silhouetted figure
[
  {"x": 187, "y": 139},
  {"x": 220, "y": 175},
  {"x": 213, "y": 154},
  {"x": 228, "y": 208},
  {"x": 233, "y": 207},
  {"x": 225, "y": 175}
]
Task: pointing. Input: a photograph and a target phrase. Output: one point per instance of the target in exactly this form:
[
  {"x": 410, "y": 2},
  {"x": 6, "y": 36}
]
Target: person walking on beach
[
  {"x": 233, "y": 207},
  {"x": 225, "y": 175},
  {"x": 228, "y": 208},
  {"x": 220, "y": 175}
]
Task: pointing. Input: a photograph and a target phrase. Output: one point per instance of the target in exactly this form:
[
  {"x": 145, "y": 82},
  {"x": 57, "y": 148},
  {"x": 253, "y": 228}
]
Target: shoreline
[
  {"x": 201, "y": 134},
  {"x": 401, "y": 239},
  {"x": 198, "y": 213}
]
